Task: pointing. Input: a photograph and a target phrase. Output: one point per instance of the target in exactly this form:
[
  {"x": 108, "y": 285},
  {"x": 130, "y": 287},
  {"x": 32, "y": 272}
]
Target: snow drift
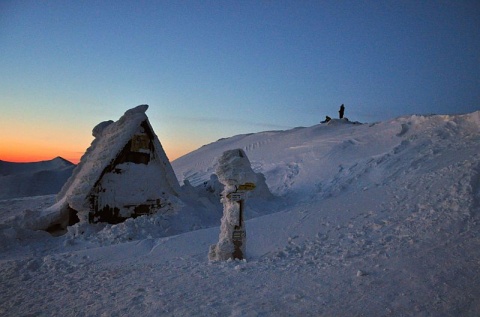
[{"x": 376, "y": 219}]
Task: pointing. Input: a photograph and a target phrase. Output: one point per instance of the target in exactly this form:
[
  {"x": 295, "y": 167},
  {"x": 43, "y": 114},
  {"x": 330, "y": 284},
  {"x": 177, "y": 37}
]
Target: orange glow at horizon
[
  {"x": 29, "y": 157},
  {"x": 31, "y": 134},
  {"x": 42, "y": 141},
  {"x": 37, "y": 156},
  {"x": 177, "y": 149},
  {"x": 18, "y": 158},
  {"x": 22, "y": 151},
  {"x": 27, "y": 153},
  {"x": 31, "y": 139}
]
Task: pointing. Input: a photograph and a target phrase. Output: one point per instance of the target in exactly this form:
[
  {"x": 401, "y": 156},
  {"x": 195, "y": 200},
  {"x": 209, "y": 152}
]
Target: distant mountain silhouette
[{"x": 33, "y": 179}]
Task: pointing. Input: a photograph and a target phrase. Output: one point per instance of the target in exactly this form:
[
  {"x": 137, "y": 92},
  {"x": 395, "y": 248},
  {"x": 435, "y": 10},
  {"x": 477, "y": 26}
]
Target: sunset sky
[{"x": 213, "y": 69}]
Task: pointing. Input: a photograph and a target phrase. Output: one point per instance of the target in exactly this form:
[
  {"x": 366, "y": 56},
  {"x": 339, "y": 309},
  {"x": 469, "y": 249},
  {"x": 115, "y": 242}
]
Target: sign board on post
[
  {"x": 235, "y": 172},
  {"x": 247, "y": 186},
  {"x": 238, "y": 238},
  {"x": 236, "y": 196},
  {"x": 239, "y": 234}
]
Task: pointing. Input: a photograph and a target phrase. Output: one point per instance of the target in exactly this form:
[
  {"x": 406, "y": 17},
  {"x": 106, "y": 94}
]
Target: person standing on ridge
[{"x": 341, "y": 111}]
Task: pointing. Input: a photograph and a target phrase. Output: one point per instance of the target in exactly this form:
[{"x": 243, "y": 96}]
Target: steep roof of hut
[{"x": 110, "y": 138}]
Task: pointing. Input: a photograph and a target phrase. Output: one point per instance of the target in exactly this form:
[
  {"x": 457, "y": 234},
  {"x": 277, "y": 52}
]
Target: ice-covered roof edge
[
  {"x": 167, "y": 166},
  {"x": 110, "y": 138}
]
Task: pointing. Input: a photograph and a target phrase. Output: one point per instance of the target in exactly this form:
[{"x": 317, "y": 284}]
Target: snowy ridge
[
  {"x": 374, "y": 219},
  {"x": 33, "y": 179},
  {"x": 11, "y": 168},
  {"x": 319, "y": 157}
]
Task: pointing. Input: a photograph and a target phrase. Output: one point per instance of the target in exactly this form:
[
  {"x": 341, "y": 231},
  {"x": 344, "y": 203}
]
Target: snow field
[{"x": 375, "y": 220}]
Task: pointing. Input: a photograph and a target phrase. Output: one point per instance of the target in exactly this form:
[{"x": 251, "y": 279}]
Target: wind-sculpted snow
[
  {"x": 323, "y": 155},
  {"x": 368, "y": 220}
]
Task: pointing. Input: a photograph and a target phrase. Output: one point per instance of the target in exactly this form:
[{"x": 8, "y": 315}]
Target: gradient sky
[{"x": 213, "y": 69}]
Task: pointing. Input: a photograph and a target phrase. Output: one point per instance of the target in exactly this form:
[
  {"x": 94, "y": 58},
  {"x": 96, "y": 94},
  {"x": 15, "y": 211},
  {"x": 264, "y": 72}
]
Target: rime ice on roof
[{"x": 124, "y": 173}]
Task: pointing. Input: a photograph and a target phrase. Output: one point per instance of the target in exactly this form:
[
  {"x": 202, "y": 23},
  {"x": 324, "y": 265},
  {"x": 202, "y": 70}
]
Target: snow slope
[
  {"x": 33, "y": 179},
  {"x": 370, "y": 220}
]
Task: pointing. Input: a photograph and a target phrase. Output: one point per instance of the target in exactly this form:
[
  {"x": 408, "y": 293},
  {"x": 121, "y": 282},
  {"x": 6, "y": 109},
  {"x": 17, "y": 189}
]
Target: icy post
[{"x": 235, "y": 173}]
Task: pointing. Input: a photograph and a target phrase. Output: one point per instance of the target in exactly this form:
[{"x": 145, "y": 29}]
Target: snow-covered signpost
[{"x": 235, "y": 173}]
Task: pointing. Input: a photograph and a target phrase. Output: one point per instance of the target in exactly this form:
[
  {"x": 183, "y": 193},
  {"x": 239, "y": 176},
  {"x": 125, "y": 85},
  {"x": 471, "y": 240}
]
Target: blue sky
[{"x": 213, "y": 69}]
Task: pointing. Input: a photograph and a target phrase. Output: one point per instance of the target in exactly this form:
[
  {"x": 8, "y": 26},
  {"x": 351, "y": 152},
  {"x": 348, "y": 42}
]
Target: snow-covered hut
[{"x": 124, "y": 173}]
